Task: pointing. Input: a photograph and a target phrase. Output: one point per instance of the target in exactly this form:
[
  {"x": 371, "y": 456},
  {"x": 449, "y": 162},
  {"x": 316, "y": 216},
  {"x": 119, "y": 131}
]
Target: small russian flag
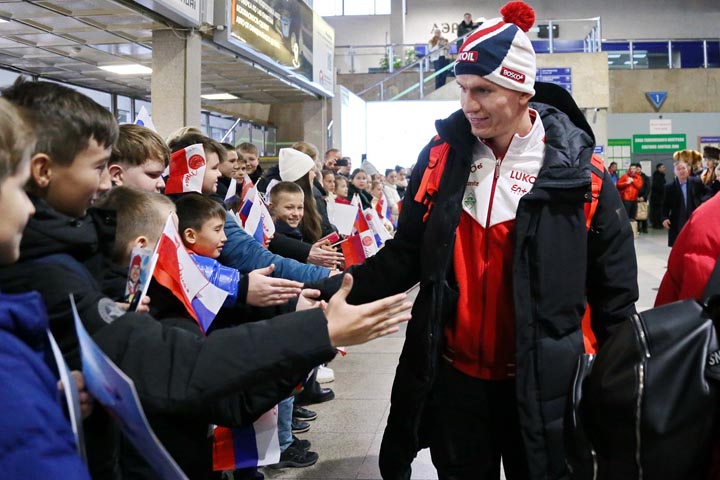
[
  {"x": 176, "y": 271},
  {"x": 252, "y": 446},
  {"x": 257, "y": 220}
]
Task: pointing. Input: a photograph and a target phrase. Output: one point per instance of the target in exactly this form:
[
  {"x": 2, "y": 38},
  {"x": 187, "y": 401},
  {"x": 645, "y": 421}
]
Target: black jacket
[
  {"x": 657, "y": 190},
  {"x": 365, "y": 197},
  {"x": 175, "y": 370},
  {"x": 556, "y": 261},
  {"x": 288, "y": 243},
  {"x": 646, "y": 186},
  {"x": 674, "y": 208}
]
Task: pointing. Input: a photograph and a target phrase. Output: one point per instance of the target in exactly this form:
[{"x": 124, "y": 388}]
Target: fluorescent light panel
[
  {"x": 219, "y": 96},
  {"x": 128, "y": 69}
]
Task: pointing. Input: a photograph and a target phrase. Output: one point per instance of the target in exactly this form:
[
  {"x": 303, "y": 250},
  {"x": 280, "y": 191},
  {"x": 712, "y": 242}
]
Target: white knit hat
[
  {"x": 294, "y": 164},
  {"x": 500, "y": 51}
]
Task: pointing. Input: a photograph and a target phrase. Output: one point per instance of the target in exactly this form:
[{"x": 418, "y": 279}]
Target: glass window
[
  {"x": 713, "y": 53},
  {"x": 650, "y": 54},
  {"x": 142, "y": 103},
  {"x": 7, "y": 77},
  {"x": 382, "y": 7},
  {"x": 257, "y": 137},
  {"x": 242, "y": 133},
  {"x": 328, "y": 8},
  {"x": 360, "y": 7},
  {"x": 102, "y": 98},
  {"x": 124, "y": 110},
  {"x": 270, "y": 141}
]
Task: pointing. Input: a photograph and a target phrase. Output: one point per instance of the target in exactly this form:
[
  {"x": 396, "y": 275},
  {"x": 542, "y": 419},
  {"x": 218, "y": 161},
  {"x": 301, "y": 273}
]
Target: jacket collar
[{"x": 568, "y": 148}]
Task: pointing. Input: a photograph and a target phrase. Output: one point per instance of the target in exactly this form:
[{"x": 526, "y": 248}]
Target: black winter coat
[
  {"x": 674, "y": 208},
  {"x": 556, "y": 261}
]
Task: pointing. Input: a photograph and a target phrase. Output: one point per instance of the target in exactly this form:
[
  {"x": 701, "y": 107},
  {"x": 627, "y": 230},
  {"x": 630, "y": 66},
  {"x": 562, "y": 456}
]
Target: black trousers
[{"x": 473, "y": 423}]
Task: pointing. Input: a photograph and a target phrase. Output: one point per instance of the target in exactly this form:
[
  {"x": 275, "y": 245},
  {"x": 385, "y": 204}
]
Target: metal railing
[{"x": 586, "y": 35}]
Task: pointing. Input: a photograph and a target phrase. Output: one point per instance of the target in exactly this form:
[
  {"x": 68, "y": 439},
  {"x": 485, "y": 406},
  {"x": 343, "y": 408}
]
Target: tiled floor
[{"x": 348, "y": 430}]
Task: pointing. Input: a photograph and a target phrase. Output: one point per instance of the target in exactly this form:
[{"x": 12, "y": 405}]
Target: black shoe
[
  {"x": 298, "y": 426},
  {"x": 294, "y": 457},
  {"x": 301, "y": 413},
  {"x": 301, "y": 444},
  {"x": 324, "y": 395},
  {"x": 247, "y": 474}
]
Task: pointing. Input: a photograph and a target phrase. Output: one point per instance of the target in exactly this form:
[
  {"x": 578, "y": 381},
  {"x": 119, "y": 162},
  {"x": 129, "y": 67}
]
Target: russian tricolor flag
[
  {"x": 176, "y": 271},
  {"x": 252, "y": 446},
  {"x": 232, "y": 190},
  {"x": 256, "y": 218},
  {"x": 187, "y": 169}
]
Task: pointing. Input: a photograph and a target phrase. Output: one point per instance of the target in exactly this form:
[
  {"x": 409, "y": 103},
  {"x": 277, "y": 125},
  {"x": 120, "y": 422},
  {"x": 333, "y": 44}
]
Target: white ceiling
[{"x": 66, "y": 40}]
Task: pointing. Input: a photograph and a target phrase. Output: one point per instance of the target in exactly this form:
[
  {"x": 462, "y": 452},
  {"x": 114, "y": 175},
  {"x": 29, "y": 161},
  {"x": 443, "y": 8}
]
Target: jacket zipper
[
  {"x": 642, "y": 336},
  {"x": 487, "y": 226}
]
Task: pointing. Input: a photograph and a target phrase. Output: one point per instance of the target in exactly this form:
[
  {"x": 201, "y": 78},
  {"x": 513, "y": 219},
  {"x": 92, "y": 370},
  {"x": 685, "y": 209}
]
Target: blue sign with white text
[{"x": 558, "y": 76}]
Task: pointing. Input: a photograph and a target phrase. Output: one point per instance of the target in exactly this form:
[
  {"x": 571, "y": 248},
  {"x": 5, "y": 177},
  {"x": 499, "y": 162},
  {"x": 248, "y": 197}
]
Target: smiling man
[{"x": 493, "y": 227}]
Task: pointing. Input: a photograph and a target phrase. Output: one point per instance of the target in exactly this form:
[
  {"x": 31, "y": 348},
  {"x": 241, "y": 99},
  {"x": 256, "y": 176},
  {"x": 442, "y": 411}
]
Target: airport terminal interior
[{"x": 360, "y": 76}]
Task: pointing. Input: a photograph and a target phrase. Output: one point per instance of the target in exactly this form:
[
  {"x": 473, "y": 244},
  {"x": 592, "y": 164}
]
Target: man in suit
[{"x": 682, "y": 197}]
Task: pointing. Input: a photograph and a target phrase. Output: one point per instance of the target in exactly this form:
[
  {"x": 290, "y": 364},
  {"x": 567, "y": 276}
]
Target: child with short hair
[
  {"x": 37, "y": 440},
  {"x": 139, "y": 158},
  {"x": 249, "y": 152},
  {"x": 228, "y": 170}
]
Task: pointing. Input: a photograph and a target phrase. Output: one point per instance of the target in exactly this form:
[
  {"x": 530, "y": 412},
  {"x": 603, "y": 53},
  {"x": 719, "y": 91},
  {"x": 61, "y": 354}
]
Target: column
[{"x": 175, "y": 85}]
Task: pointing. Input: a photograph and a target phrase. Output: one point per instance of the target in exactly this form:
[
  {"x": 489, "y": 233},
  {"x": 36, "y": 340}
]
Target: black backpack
[{"x": 645, "y": 406}]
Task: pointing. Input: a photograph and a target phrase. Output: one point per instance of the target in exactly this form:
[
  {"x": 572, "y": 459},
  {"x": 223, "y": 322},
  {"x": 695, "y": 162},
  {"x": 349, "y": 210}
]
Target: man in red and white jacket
[
  {"x": 493, "y": 227},
  {"x": 629, "y": 186}
]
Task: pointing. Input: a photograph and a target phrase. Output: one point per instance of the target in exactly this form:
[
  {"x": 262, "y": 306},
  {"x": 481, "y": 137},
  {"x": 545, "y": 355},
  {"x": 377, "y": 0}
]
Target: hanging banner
[{"x": 323, "y": 53}]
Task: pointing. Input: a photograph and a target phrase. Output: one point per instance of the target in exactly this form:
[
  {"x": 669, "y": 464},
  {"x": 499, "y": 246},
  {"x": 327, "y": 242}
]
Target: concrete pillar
[
  {"x": 175, "y": 85},
  {"x": 315, "y": 119},
  {"x": 397, "y": 25}
]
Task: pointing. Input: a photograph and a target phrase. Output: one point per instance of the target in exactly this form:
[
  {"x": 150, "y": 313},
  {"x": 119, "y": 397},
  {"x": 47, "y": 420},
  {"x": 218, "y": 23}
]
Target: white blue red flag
[
  {"x": 176, "y": 271},
  {"x": 256, "y": 218},
  {"x": 232, "y": 190},
  {"x": 143, "y": 119},
  {"x": 252, "y": 446},
  {"x": 187, "y": 169},
  {"x": 376, "y": 225}
]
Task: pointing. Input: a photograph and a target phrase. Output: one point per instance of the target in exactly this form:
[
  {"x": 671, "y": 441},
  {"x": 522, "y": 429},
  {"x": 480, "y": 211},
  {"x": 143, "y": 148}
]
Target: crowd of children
[{"x": 81, "y": 197}]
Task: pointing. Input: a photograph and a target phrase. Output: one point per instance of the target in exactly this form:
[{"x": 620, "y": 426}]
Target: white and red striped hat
[{"x": 500, "y": 51}]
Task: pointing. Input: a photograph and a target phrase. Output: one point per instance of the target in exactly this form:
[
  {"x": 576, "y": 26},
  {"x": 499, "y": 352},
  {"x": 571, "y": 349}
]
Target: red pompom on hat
[
  {"x": 519, "y": 13},
  {"x": 500, "y": 51}
]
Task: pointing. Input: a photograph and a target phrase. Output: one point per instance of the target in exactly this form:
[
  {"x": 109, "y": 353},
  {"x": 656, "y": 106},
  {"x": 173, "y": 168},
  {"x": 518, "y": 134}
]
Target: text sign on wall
[
  {"x": 659, "y": 143},
  {"x": 558, "y": 76}
]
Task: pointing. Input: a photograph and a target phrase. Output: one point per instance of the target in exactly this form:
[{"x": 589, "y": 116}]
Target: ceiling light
[
  {"x": 614, "y": 55},
  {"x": 219, "y": 96},
  {"x": 2, "y": 20},
  {"x": 128, "y": 69}
]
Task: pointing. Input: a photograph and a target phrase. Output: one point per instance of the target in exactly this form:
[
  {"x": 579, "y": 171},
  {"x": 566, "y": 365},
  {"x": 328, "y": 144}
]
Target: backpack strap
[
  {"x": 430, "y": 183},
  {"x": 597, "y": 169}
]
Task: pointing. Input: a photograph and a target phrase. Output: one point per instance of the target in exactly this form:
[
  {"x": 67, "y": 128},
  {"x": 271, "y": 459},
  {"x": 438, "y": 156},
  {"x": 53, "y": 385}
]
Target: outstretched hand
[
  {"x": 265, "y": 291},
  {"x": 356, "y": 324}
]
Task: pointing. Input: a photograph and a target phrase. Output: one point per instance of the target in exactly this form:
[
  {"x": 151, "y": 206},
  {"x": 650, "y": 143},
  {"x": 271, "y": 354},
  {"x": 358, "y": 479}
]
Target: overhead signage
[
  {"x": 558, "y": 76},
  {"x": 656, "y": 99},
  {"x": 280, "y": 29},
  {"x": 659, "y": 143},
  {"x": 183, "y": 12},
  {"x": 323, "y": 53}
]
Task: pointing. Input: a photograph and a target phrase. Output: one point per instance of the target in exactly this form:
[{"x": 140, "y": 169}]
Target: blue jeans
[{"x": 285, "y": 411}]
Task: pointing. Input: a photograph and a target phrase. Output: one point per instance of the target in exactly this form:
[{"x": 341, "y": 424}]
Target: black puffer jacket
[{"x": 556, "y": 261}]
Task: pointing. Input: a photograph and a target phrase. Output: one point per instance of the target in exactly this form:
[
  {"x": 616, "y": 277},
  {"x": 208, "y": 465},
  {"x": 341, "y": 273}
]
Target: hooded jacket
[
  {"x": 558, "y": 267},
  {"x": 37, "y": 441}
]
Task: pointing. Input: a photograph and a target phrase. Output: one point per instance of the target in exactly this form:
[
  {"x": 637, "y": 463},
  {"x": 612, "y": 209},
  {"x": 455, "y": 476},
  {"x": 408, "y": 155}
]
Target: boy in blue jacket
[{"x": 37, "y": 441}]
